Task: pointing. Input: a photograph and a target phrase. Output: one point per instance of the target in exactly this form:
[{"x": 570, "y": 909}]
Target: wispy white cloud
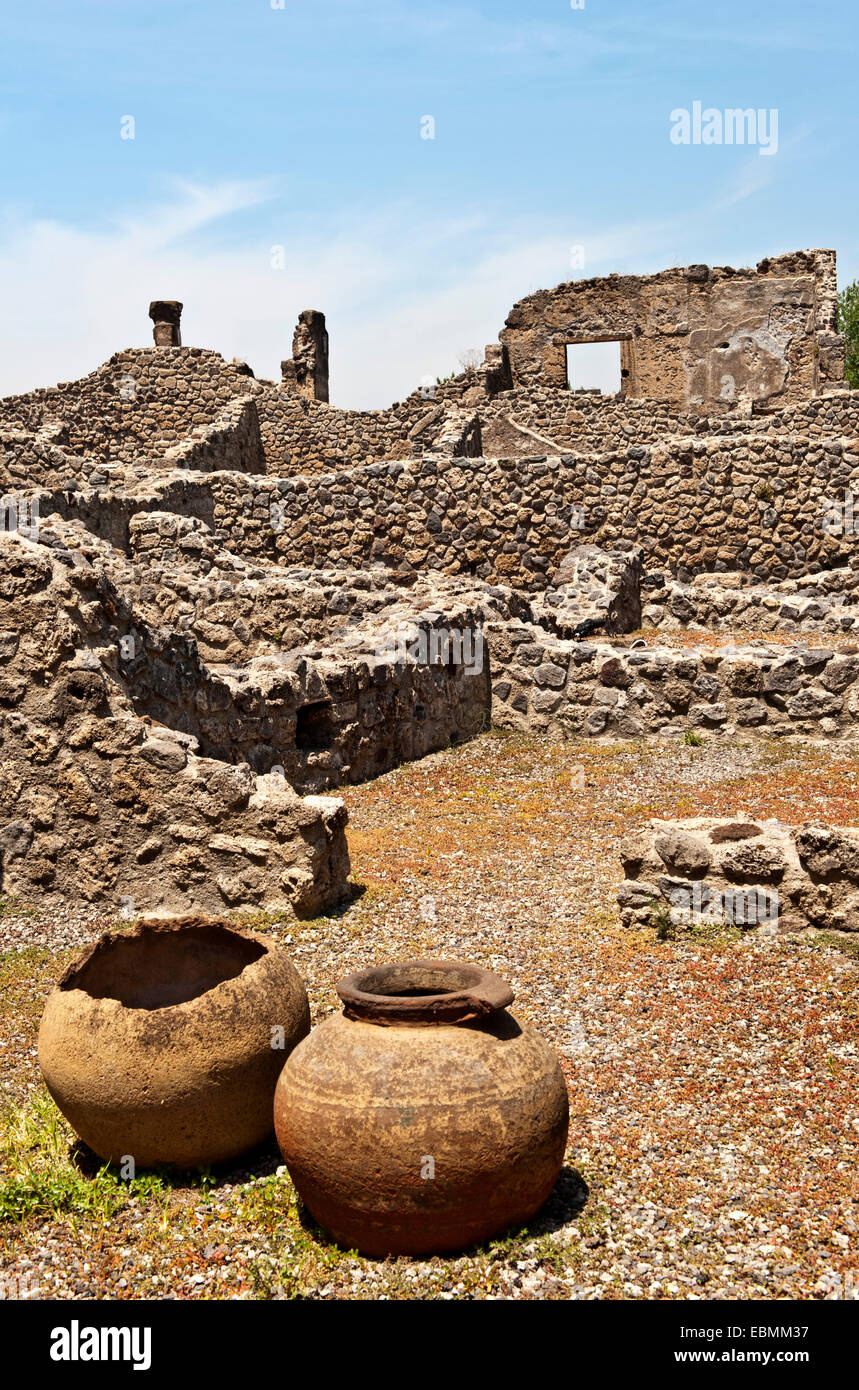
[
  {"x": 755, "y": 174},
  {"x": 191, "y": 208},
  {"x": 403, "y": 295}
]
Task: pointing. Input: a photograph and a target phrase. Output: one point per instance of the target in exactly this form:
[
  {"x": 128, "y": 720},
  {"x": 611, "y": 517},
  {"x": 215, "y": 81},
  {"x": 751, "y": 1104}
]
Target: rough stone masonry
[{"x": 221, "y": 597}]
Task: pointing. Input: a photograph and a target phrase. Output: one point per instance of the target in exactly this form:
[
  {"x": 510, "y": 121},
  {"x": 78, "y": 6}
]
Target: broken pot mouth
[
  {"x": 423, "y": 992},
  {"x": 160, "y": 964}
]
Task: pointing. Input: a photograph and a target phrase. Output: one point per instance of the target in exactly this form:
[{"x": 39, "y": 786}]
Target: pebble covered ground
[{"x": 712, "y": 1074}]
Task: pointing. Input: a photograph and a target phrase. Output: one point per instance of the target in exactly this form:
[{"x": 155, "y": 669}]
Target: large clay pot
[
  {"x": 423, "y": 1118},
  {"x": 157, "y": 1043}
]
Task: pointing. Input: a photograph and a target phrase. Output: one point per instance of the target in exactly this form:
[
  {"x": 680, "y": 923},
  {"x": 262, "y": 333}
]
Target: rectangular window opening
[{"x": 594, "y": 367}]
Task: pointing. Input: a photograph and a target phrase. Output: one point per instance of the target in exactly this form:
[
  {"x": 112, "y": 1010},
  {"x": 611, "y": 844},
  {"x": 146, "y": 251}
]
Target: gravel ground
[{"x": 712, "y": 1076}]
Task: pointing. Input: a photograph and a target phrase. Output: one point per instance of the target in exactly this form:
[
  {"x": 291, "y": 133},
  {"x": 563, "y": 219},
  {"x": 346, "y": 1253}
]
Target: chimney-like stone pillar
[
  {"x": 307, "y": 370},
  {"x": 165, "y": 314}
]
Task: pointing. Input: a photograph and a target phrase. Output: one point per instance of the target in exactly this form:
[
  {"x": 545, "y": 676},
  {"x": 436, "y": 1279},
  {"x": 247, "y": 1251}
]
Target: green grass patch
[
  {"x": 14, "y": 907},
  {"x": 43, "y": 1173},
  {"x": 847, "y": 945}
]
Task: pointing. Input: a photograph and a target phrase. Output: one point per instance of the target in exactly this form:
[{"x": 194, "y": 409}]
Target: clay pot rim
[
  {"x": 149, "y": 926},
  {"x": 482, "y": 993}
]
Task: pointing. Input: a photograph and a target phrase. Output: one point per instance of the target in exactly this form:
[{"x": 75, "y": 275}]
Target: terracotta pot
[
  {"x": 157, "y": 1043},
  {"x": 423, "y": 1118}
]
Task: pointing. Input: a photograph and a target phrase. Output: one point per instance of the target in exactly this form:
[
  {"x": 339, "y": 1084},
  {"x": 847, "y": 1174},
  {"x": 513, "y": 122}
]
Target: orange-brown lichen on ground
[{"x": 712, "y": 1075}]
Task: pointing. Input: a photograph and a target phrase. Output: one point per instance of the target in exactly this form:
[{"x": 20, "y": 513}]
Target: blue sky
[{"x": 300, "y": 128}]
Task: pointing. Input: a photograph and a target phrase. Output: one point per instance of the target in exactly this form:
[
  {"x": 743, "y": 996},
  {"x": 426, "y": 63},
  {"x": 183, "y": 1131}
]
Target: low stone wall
[
  {"x": 187, "y": 407},
  {"x": 335, "y": 715},
  {"x": 40, "y": 460},
  {"x": 115, "y": 497},
  {"x": 587, "y": 422},
  {"x": 741, "y": 873},
  {"x": 325, "y": 715},
  {"x": 235, "y": 609},
  {"x": 306, "y": 436},
  {"x": 589, "y": 689},
  {"x": 827, "y": 602}
]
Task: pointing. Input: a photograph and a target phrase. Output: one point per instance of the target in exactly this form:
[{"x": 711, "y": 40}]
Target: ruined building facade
[{"x": 221, "y": 598}]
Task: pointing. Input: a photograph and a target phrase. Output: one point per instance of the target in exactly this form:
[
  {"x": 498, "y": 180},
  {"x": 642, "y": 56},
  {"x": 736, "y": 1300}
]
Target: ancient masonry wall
[
  {"x": 760, "y": 503},
  {"x": 134, "y": 407},
  {"x": 334, "y": 715},
  {"x": 824, "y": 603},
  {"x": 307, "y": 436},
  {"x": 172, "y": 407},
  {"x": 689, "y": 335},
  {"x": 751, "y": 502},
  {"x": 584, "y": 690},
  {"x": 591, "y": 423},
  {"x": 742, "y": 873},
  {"x": 185, "y": 407},
  {"x": 98, "y": 804},
  {"x": 302, "y": 435},
  {"x": 326, "y": 719}
]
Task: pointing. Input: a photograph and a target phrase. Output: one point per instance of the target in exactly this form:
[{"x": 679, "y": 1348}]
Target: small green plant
[
  {"x": 13, "y": 907},
  {"x": 662, "y": 921},
  {"x": 764, "y": 492},
  {"x": 691, "y": 739},
  {"x": 836, "y": 942}
]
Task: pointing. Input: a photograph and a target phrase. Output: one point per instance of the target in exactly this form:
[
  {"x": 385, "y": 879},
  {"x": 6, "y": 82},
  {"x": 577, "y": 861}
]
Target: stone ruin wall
[
  {"x": 77, "y": 438},
  {"x": 102, "y": 805},
  {"x": 770, "y": 332},
  {"x": 257, "y": 547},
  {"x": 186, "y": 407},
  {"x": 748, "y": 502},
  {"x": 589, "y": 690},
  {"x": 780, "y": 877},
  {"x": 586, "y": 422},
  {"x": 134, "y": 407},
  {"x": 752, "y": 503}
]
